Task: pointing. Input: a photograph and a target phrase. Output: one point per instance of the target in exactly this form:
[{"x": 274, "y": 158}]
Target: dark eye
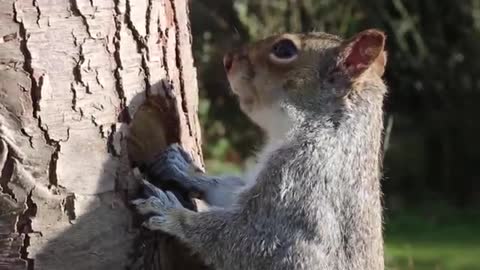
[{"x": 284, "y": 51}]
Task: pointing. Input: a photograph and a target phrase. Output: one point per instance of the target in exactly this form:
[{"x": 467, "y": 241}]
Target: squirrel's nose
[{"x": 228, "y": 61}]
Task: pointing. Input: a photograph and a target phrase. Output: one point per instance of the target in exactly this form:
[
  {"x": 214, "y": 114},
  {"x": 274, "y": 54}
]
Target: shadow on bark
[{"x": 99, "y": 235}]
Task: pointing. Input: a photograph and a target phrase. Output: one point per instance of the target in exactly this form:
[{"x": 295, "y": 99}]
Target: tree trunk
[{"x": 72, "y": 75}]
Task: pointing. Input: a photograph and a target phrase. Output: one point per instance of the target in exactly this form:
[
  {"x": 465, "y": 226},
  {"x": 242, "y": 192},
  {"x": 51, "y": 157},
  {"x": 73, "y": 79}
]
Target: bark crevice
[
  {"x": 124, "y": 115},
  {"x": 111, "y": 143},
  {"x": 30, "y": 137},
  {"x": 142, "y": 44},
  {"x": 52, "y": 167},
  {"x": 76, "y": 12},
  {"x": 179, "y": 64},
  {"x": 35, "y": 91},
  {"x": 24, "y": 226},
  {"x": 148, "y": 17},
  {"x": 69, "y": 207},
  {"x": 39, "y": 12}
]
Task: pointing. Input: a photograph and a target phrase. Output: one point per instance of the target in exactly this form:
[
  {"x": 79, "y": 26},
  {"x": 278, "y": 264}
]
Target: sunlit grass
[
  {"x": 446, "y": 241},
  {"x": 414, "y": 256}
]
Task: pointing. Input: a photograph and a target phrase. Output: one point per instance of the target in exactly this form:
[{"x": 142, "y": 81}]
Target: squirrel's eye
[{"x": 284, "y": 51}]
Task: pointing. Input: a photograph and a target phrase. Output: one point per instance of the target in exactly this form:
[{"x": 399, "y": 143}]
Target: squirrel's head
[{"x": 312, "y": 72}]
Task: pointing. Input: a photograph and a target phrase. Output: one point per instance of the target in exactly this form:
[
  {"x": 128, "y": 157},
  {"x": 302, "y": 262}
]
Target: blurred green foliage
[{"x": 433, "y": 72}]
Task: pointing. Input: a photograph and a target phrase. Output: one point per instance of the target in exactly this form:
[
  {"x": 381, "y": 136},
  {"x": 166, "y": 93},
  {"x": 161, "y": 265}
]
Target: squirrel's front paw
[
  {"x": 174, "y": 164},
  {"x": 160, "y": 205}
]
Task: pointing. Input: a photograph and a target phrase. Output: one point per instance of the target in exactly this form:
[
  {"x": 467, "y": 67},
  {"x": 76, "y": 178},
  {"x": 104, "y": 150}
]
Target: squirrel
[{"x": 313, "y": 200}]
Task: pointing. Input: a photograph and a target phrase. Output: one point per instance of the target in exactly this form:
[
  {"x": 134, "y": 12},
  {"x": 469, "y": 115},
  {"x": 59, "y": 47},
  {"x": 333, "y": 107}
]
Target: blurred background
[{"x": 432, "y": 162}]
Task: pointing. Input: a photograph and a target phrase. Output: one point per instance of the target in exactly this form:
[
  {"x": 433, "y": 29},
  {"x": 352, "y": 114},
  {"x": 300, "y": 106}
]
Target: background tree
[{"x": 72, "y": 75}]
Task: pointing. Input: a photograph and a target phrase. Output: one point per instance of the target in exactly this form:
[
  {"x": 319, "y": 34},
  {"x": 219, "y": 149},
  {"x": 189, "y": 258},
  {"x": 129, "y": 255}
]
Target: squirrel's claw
[
  {"x": 152, "y": 205},
  {"x": 158, "y": 202},
  {"x": 149, "y": 190},
  {"x": 154, "y": 223}
]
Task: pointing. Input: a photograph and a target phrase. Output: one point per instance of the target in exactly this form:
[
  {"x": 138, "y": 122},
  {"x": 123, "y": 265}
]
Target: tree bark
[{"x": 73, "y": 73}]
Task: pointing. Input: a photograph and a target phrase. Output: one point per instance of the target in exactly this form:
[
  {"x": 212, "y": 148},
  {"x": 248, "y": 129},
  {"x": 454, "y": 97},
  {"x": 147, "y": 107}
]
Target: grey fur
[{"x": 315, "y": 202}]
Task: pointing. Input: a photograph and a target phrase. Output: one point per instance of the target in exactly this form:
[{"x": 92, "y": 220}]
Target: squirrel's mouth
[
  {"x": 241, "y": 86},
  {"x": 246, "y": 100}
]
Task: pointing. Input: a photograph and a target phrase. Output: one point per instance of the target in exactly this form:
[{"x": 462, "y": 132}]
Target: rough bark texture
[{"x": 72, "y": 75}]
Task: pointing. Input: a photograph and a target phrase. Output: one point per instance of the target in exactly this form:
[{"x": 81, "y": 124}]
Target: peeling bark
[{"x": 72, "y": 75}]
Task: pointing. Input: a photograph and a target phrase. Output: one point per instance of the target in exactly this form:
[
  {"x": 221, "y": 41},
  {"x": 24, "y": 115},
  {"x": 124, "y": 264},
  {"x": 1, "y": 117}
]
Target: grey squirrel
[{"x": 313, "y": 200}]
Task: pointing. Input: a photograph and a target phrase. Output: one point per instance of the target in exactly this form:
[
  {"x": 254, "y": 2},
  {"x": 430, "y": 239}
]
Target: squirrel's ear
[{"x": 364, "y": 50}]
